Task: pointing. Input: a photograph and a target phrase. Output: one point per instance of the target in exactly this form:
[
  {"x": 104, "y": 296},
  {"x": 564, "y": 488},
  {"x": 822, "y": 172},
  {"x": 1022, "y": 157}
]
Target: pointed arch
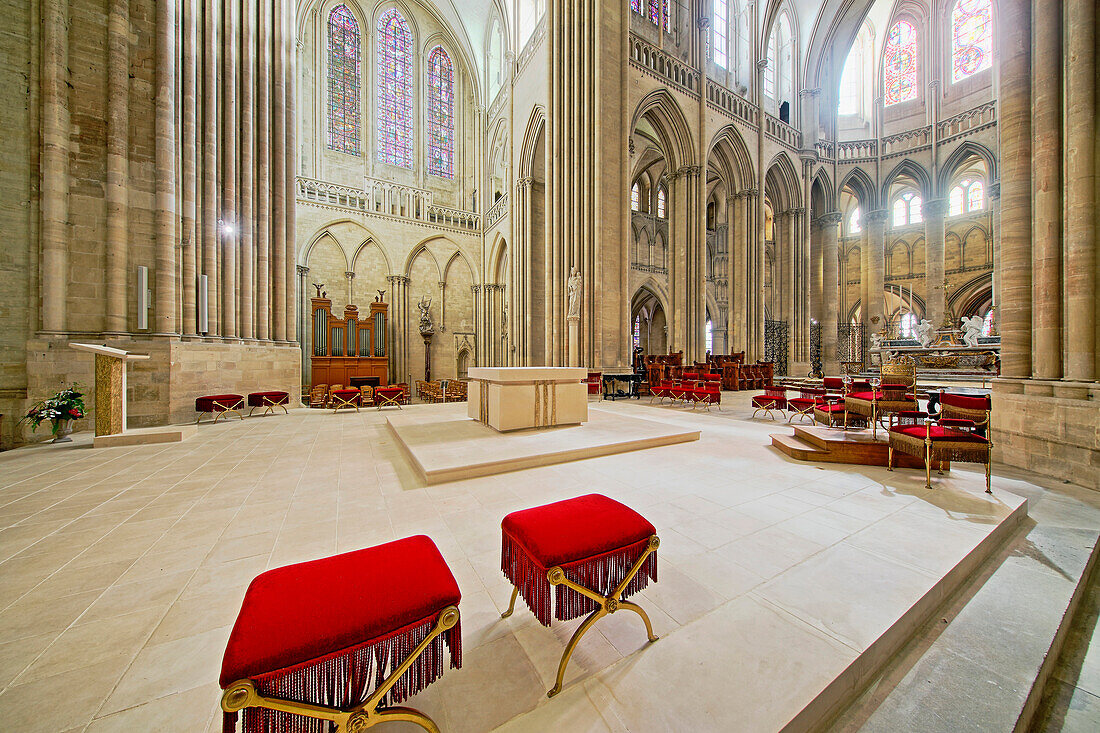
[
  {"x": 784, "y": 181},
  {"x": 343, "y": 44},
  {"x": 664, "y": 113},
  {"x": 862, "y": 187},
  {"x": 324, "y": 237},
  {"x": 394, "y": 56},
  {"x": 822, "y": 187},
  {"x": 368, "y": 243},
  {"x": 458, "y": 257},
  {"x": 913, "y": 170},
  {"x": 655, "y": 290},
  {"x": 423, "y": 249},
  {"x": 958, "y": 158},
  {"x": 731, "y": 150},
  {"x": 441, "y": 113},
  {"x": 536, "y": 123}
]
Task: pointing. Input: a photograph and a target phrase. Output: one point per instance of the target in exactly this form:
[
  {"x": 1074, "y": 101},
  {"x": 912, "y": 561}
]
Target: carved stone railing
[
  {"x": 826, "y": 150},
  {"x": 498, "y": 210},
  {"x": 385, "y": 198},
  {"x": 782, "y": 133},
  {"x": 908, "y": 141},
  {"x": 853, "y": 150},
  {"x": 969, "y": 121},
  {"x": 656, "y": 269},
  {"x": 733, "y": 104},
  {"x": 655, "y": 61}
]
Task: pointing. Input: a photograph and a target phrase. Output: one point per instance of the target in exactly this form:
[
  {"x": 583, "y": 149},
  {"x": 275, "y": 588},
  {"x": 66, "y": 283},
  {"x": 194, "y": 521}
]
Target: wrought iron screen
[
  {"x": 817, "y": 369},
  {"x": 776, "y": 342},
  {"x": 851, "y": 342}
]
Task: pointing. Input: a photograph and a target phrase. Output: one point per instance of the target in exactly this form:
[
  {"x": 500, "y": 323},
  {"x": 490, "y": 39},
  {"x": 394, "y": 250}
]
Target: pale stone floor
[{"x": 122, "y": 570}]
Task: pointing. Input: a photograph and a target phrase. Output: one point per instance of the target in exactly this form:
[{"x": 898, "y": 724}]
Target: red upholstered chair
[
  {"x": 388, "y": 396},
  {"x": 803, "y": 405},
  {"x": 219, "y": 404},
  {"x": 707, "y": 394},
  {"x": 953, "y": 437},
  {"x": 343, "y": 639},
  {"x": 594, "y": 551},
  {"x": 594, "y": 380},
  {"x": 897, "y": 393},
  {"x": 774, "y": 398},
  {"x": 269, "y": 401},
  {"x": 663, "y": 390}
]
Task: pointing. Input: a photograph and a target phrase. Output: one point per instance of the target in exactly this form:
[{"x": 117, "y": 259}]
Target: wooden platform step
[{"x": 830, "y": 445}]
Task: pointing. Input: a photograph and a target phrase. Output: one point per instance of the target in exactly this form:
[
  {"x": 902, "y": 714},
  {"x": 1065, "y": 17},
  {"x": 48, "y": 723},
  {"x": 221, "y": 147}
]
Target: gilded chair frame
[
  {"x": 269, "y": 406},
  {"x": 947, "y": 450},
  {"x": 243, "y": 694},
  {"x": 901, "y": 371},
  {"x": 608, "y": 604},
  {"x": 224, "y": 412}
]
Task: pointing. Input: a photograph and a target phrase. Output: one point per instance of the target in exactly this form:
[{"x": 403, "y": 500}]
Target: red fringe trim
[
  {"x": 347, "y": 678},
  {"x": 601, "y": 573}
]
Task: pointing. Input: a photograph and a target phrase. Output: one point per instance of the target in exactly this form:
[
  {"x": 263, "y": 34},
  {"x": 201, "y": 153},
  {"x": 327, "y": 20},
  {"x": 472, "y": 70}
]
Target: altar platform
[
  {"x": 831, "y": 445},
  {"x": 444, "y": 444}
]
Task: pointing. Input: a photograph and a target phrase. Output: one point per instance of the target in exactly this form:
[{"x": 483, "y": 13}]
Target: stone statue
[
  {"x": 924, "y": 332},
  {"x": 876, "y": 341},
  {"x": 426, "y": 325},
  {"x": 319, "y": 286},
  {"x": 972, "y": 329},
  {"x": 574, "y": 286}
]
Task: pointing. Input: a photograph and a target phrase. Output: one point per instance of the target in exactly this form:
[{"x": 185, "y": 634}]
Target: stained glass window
[
  {"x": 971, "y": 38},
  {"x": 655, "y": 11},
  {"x": 637, "y": 331},
  {"x": 900, "y": 63},
  {"x": 636, "y": 6},
  {"x": 907, "y": 209},
  {"x": 854, "y": 225},
  {"x": 635, "y": 198},
  {"x": 662, "y": 200},
  {"x": 975, "y": 198},
  {"x": 343, "y": 81},
  {"x": 901, "y": 212},
  {"x": 957, "y": 202},
  {"x": 720, "y": 29},
  {"x": 441, "y": 114},
  {"x": 710, "y": 336},
  {"x": 395, "y": 119},
  {"x": 916, "y": 215}
]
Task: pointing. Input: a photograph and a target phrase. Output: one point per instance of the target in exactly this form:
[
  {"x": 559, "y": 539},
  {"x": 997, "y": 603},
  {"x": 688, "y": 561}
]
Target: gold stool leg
[
  {"x": 645, "y": 618},
  {"x": 403, "y": 714},
  {"x": 581, "y": 631},
  {"x": 511, "y": 604}
]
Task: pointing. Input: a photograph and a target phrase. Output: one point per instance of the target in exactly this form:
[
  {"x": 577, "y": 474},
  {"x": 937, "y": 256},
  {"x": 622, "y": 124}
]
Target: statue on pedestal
[
  {"x": 426, "y": 326},
  {"x": 574, "y": 288}
]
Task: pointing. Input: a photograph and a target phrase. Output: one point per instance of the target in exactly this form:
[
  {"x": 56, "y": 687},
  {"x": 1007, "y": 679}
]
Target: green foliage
[{"x": 68, "y": 404}]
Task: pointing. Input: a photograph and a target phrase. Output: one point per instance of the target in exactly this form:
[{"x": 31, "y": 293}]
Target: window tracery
[
  {"x": 971, "y": 38},
  {"x": 635, "y": 198},
  {"x": 662, "y": 202},
  {"x": 900, "y": 63},
  {"x": 720, "y": 32},
  {"x": 907, "y": 209},
  {"x": 441, "y": 114},
  {"x": 344, "y": 43},
  {"x": 968, "y": 195},
  {"x": 395, "y": 119}
]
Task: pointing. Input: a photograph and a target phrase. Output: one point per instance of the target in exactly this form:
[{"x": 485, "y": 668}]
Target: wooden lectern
[{"x": 110, "y": 386}]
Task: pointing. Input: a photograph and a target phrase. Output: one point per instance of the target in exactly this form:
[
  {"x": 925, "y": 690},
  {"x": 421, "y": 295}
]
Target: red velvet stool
[
  {"x": 592, "y": 549},
  {"x": 774, "y": 398},
  {"x": 269, "y": 401},
  {"x": 342, "y": 639},
  {"x": 218, "y": 404},
  {"x": 349, "y": 397},
  {"x": 387, "y": 396}
]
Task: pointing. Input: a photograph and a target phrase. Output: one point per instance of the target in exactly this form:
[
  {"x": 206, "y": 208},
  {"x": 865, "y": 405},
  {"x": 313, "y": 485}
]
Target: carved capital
[
  {"x": 809, "y": 92},
  {"x": 876, "y": 216},
  {"x": 995, "y": 190},
  {"x": 761, "y": 64},
  {"x": 475, "y": 289},
  {"x": 302, "y": 270},
  {"x": 349, "y": 275},
  {"x": 442, "y": 284},
  {"x": 797, "y": 211},
  {"x": 831, "y": 218}
]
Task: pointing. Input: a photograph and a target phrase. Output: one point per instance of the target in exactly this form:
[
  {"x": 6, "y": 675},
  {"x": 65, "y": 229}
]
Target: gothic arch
[
  {"x": 971, "y": 295},
  {"x": 730, "y": 149},
  {"x": 912, "y": 169},
  {"x": 664, "y": 113},
  {"x": 822, "y": 194},
  {"x": 958, "y": 158},
  {"x": 782, "y": 183},
  {"x": 370, "y": 242},
  {"x": 536, "y": 123},
  {"x": 861, "y": 185},
  {"x": 654, "y": 289},
  {"x": 326, "y": 228},
  {"x": 422, "y": 249},
  {"x": 323, "y": 236},
  {"x": 458, "y": 257}
]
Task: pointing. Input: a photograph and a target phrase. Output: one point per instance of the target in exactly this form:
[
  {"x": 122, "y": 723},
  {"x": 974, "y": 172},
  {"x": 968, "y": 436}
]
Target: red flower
[{"x": 75, "y": 413}]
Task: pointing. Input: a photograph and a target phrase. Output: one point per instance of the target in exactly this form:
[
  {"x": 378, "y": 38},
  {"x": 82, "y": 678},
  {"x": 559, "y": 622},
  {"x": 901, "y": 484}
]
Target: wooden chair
[
  {"x": 367, "y": 395},
  {"x": 318, "y": 395},
  {"x": 953, "y": 437}
]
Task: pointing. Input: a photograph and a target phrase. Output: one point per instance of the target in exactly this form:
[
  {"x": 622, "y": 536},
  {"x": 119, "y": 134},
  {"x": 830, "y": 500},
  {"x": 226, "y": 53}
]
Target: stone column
[
  {"x": 1014, "y": 126},
  {"x": 1081, "y": 189},
  {"x": 1046, "y": 187},
  {"x": 54, "y": 267},
  {"x": 263, "y": 171},
  {"x": 350, "y": 277},
  {"x": 876, "y": 243},
  {"x": 291, "y": 161},
  {"x": 165, "y": 158},
  {"x": 305, "y": 325},
  {"x": 278, "y": 174},
  {"x": 118, "y": 166},
  {"x": 934, "y": 234},
  {"x": 734, "y": 261},
  {"x": 994, "y": 193},
  {"x": 247, "y": 192},
  {"x": 830, "y": 266},
  {"x": 802, "y": 285},
  {"x": 230, "y": 167},
  {"x": 816, "y": 281},
  {"x": 211, "y": 237}
]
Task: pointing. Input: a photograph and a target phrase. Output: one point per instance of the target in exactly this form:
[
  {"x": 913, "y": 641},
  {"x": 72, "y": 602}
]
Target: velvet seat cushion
[
  {"x": 304, "y": 612},
  {"x": 802, "y": 403},
  {"x": 576, "y": 529},
  {"x": 256, "y": 399},
  {"x": 938, "y": 432},
  {"x": 217, "y": 402}
]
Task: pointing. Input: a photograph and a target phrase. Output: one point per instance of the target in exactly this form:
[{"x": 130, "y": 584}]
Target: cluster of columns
[
  {"x": 825, "y": 276},
  {"x": 1050, "y": 314},
  {"x": 236, "y": 166},
  {"x": 792, "y": 285},
  {"x": 746, "y": 276}
]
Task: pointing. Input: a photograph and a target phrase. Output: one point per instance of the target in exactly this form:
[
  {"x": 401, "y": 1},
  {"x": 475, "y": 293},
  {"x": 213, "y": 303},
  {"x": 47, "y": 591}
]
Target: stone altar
[{"x": 514, "y": 398}]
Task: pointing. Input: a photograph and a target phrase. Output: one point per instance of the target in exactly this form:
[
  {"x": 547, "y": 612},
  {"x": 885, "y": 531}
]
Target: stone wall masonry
[{"x": 1050, "y": 427}]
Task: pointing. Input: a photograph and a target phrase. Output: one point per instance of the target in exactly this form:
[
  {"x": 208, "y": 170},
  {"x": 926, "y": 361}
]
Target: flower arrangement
[{"x": 68, "y": 404}]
